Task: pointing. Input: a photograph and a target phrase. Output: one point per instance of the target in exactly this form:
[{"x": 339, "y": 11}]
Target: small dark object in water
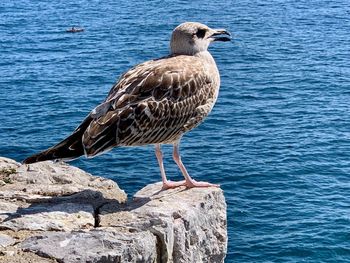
[{"x": 75, "y": 30}]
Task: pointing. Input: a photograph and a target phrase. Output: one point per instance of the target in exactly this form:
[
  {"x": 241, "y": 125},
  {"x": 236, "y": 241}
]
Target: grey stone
[
  {"x": 100, "y": 245},
  {"x": 58, "y": 217},
  {"x": 51, "y": 196},
  {"x": 6, "y": 240},
  {"x": 6, "y": 209},
  {"x": 190, "y": 224},
  {"x": 44, "y": 180}
]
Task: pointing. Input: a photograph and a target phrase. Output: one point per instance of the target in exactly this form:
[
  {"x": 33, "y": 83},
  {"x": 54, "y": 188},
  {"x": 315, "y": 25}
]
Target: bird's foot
[
  {"x": 193, "y": 183},
  {"x": 170, "y": 185},
  {"x": 189, "y": 184}
]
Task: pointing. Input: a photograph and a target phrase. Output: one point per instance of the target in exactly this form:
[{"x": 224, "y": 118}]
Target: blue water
[{"x": 278, "y": 139}]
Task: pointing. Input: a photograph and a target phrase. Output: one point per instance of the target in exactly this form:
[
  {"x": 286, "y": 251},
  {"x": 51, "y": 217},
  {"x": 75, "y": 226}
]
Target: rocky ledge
[{"x": 54, "y": 212}]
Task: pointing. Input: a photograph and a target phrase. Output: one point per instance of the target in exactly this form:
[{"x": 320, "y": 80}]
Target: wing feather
[{"x": 154, "y": 102}]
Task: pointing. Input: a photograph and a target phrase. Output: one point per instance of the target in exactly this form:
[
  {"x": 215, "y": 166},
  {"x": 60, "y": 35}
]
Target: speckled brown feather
[{"x": 154, "y": 102}]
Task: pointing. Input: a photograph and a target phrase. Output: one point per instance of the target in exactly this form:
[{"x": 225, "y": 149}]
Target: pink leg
[
  {"x": 166, "y": 184},
  {"x": 189, "y": 182}
]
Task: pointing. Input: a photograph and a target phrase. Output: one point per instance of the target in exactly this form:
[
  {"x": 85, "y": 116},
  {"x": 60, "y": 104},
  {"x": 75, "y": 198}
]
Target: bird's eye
[{"x": 200, "y": 33}]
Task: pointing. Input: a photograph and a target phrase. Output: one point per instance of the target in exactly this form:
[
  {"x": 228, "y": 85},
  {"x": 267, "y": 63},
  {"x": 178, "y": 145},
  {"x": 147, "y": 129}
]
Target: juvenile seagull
[{"x": 155, "y": 102}]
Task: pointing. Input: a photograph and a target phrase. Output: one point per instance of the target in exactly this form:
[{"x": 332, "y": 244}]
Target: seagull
[{"x": 155, "y": 102}]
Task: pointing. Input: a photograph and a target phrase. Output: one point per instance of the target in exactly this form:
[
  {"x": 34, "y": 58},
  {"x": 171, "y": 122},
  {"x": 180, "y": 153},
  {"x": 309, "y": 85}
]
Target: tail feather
[{"x": 68, "y": 149}]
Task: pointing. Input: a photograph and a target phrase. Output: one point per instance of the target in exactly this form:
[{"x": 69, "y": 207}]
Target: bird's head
[{"x": 190, "y": 38}]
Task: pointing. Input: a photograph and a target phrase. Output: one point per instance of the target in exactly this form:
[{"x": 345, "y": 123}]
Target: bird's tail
[{"x": 68, "y": 149}]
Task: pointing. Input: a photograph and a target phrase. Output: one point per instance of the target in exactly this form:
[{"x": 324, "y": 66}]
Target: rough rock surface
[
  {"x": 6, "y": 240},
  {"x": 53, "y": 212},
  {"x": 98, "y": 245},
  {"x": 190, "y": 225}
]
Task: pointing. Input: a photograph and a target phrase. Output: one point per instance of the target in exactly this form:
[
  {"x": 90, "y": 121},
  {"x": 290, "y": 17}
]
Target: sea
[{"x": 277, "y": 140}]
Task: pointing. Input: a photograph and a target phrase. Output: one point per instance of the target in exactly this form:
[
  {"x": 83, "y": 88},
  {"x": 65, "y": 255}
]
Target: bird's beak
[{"x": 217, "y": 35}]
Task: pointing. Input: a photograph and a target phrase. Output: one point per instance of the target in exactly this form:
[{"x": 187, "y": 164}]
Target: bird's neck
[
  {"x": 209, "y": 63},
  {"x": 206, "y": 56}
]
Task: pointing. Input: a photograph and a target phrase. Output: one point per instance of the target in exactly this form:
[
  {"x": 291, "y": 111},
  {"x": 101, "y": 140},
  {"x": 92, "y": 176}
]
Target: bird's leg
[
  {"x": 189, "y": 182},
  {"x": 166, "y": 184}
]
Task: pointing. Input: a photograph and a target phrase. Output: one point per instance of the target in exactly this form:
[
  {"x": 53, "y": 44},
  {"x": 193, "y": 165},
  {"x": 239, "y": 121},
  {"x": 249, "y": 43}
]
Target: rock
[
  {"x": 7, "y": 208},
  {"x": 96, "y": 223},
  {"x": 59, "y": 217},
  {"x": 99, "y": 245},
  {"x": 52, "y": 196},
  {"x": 47, "y": 179},
  {"x": 6, "y": 240},
  {"x": 18, "y": 256},
  {"x": 190, "y": 225}
]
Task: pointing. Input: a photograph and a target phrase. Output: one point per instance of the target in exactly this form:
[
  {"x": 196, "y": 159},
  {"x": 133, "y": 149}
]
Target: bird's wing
[{"x": 151, "y": 103}]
